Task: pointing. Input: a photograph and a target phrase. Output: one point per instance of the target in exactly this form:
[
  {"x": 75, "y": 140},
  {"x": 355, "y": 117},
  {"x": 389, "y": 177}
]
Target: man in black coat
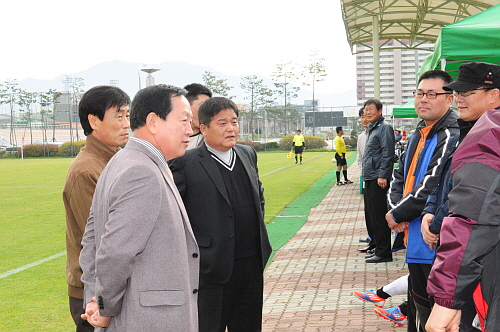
[
  {"x": 378, "y": 162},
  {"x": 220, "y": 187}
]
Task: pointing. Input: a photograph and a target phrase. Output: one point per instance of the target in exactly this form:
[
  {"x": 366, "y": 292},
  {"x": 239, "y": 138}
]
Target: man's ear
[
  {"x": 451, "y": 98},
  {"x": 203, "y": 129},
  {"x": 495, "y": 96},
  {"x": 92, "y": 121},
  {"x": 151, "y": 122}
]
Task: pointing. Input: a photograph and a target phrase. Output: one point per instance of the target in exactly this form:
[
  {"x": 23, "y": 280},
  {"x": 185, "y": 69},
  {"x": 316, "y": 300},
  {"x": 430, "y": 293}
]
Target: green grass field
[{"x": 32, "y": 228}]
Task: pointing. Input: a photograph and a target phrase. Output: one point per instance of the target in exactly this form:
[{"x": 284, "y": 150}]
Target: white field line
[
  {"x": 31, "y": 187},
  {"x": 25, "y": 267},
  {"x": 291, "y": 165},
  {"x": 305, "y": 169},
  {"x": 41, "y": 261}
]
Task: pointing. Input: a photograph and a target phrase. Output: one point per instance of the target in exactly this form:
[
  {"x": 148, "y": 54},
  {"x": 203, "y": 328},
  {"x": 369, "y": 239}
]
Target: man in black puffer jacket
[{"x": 378, "y": 162}]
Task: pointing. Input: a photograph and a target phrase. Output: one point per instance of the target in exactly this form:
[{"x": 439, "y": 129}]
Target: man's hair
[
  {"x": 338, "y": 129},
  {"x": 156, "y": 99},
  {"x": 376, "y": 102},
  {"x": 436, "y": 74},
  {"x": 298, "y": 131},
  {"x": 214, "y": 106},
  {"x": 361, "y": 111},
  {"x": 196, "y": 89},
  {"x": 97, "y": 100}
]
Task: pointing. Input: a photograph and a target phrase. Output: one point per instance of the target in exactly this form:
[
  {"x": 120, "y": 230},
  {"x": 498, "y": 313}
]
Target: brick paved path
[{"x": 309, "y": 284}]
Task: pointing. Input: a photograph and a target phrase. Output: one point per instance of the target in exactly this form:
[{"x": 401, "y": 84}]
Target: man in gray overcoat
[{"x": 140, "y": 259}]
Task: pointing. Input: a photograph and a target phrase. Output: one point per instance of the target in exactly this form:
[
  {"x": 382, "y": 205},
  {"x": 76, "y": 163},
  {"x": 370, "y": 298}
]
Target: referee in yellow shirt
[
  {"x": 299, "y": 144},
  {"x": 340, "y": 148}
]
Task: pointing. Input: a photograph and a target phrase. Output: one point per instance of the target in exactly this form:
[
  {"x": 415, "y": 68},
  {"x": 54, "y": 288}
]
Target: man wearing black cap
[{"x": 470, "y": 247}]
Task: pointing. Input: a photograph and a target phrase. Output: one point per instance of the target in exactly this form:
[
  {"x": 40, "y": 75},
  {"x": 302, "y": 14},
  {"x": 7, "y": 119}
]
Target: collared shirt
[
  {"x": 225, "y": 158},
  {"x": 361, "y": 148},
  {"x": 195, "y": 141},
  {"x": 340, "y": 145},
  {"x": 154, "y": 151},
  {"x": 298, "y": 140}
]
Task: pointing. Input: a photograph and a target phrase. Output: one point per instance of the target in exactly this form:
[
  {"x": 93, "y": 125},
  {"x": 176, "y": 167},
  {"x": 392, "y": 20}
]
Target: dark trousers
[
  {"x": 236, "y": 304},
  {"x": 375, "y": 199},
  {"x": 417, "y": 288},
  {"x": 76, "y": 309},
  {"x": 468, "y": 315},
  {"x": 420, "y": 305}
]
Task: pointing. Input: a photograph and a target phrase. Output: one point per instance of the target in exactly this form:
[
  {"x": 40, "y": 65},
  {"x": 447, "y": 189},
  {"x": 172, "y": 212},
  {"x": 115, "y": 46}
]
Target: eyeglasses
[
  {"x": 430, "y": 95},
  {"x": 468, "y": 93}
]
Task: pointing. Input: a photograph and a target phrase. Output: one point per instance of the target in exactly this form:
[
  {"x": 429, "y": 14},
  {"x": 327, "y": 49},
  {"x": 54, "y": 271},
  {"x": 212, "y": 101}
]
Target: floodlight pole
[
  {"x": 150, "y": 80},
  {"x": 139, "y": 73},
  {"x": 376, "y": 58}
]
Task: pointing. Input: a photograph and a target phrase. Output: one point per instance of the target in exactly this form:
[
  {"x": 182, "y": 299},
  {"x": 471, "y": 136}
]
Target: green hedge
[
  {"x": 271, "y": 146},
  {"x": 312, "y": 142},
  {"x": 65, "y": 148},
  {"x": 8, "y": 155},
  {"x": 45, "y": 150},
  {"x": 38, "y": 150}
]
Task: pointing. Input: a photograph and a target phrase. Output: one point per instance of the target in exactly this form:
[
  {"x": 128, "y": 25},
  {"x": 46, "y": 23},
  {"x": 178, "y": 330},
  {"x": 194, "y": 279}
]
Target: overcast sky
[{"x": 44, "y": 39}]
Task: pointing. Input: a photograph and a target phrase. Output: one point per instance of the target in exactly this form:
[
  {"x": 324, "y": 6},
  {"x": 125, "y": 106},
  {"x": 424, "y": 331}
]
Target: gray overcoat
[{"x": 140, "y": 258}]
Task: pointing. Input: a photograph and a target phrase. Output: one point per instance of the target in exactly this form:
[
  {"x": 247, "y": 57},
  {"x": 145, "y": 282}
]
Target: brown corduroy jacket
[{"x": 78, "y": 192}]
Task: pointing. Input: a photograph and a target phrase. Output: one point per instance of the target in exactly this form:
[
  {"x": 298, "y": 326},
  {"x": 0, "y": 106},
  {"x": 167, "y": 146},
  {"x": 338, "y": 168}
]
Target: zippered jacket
[
  {"x": 470, "y": 246},
  {"x": 378, "y": 159},
  {"x": 409, "y": 208},
  {"x": 437, "y": 202}
]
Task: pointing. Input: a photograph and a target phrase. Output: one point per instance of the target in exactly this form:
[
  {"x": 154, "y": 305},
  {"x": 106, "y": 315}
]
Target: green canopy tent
[
  {"x": 405, "y": 111},
  {"x": 475, "y": 38}
]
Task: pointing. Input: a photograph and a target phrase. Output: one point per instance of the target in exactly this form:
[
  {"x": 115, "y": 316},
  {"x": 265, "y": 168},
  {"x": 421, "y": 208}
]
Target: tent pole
[
  {"x": 376, "y": 58},
  {"x": 443, "y": 64}
]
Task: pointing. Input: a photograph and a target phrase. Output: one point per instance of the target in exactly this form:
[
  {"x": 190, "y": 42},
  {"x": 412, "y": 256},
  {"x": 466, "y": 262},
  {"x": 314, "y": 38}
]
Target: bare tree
[
  {"x": 9, "y": 94},
  {"x": 274, "y": 115},
  {"x": 25, "y": 101},
  {"x": 74, "y": 88},
  {"x": 259, "y": 96},
  {"x": 314, "y": 72},
  {"x": 48, "y": 102},
  {"x": 284, "y": 76},
  {"x": 76, "y": 85}
]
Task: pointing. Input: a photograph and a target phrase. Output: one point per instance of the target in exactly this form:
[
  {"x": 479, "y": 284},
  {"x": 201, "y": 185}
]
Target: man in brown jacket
[{"x": 104, "y": 116}]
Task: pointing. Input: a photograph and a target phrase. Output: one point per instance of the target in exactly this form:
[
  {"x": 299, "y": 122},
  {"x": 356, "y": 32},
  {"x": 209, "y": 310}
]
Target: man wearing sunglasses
[
  {"x": 415, "y": 178},
  {"x": 469, "y": 246}
]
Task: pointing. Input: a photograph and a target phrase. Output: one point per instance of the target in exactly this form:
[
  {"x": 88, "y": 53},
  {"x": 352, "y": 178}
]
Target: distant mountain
[{"x": 171, "y": 72}]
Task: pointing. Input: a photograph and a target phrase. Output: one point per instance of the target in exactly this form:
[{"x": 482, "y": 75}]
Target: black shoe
[
  {"x": 347, "y": 182},
  {"x": 371, "y": 251},
  {"x": 365, "y": 249},
  {"x": 369, "y": 255},
  {"x": 377, "y": 259}
]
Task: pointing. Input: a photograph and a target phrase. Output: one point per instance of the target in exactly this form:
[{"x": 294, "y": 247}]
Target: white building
[{"x": 398, "y": 68}]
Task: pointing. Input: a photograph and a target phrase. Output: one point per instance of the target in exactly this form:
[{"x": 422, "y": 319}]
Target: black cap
[{"x": 473, "y": 75}]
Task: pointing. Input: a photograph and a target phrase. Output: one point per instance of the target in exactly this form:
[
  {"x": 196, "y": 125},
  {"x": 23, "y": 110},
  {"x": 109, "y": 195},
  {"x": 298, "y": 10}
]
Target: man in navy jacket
[{"x": 416, "y": 177}]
